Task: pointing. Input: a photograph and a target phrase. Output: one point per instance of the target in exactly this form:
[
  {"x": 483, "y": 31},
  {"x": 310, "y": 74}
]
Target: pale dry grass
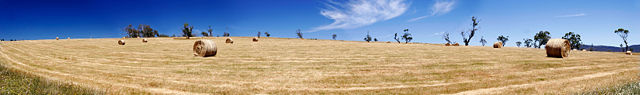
[{"x": 280, "y": 65}]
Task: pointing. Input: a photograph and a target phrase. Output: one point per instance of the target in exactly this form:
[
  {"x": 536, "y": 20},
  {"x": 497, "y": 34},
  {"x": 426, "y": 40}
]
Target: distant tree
[
  {"x": 518, "y": 43},
  {"x": 131, "y": 31},
  {"x": 226, "y": 33},
  {"x": 267, "y": 34},
  {"x": 163, "y": 35},
  {"x": 156, "y": 32},
  {"x": 482, "y": 40},
  {"x": 368, "y": 37},
  {"x": 174, "y": 35},
  {"x": 375, "y": 39},
  {"x": 503, "y": 39},
  {"x": 623, "y": 34},
  {"x": 1, "y": 39},
  {"x": 299, "y": 33},
  {"x": 407, "y": 36},
  {"x": 528, "y": 42},
  {"x": 574, "y": 39},
  {"x": 334, "y": 36},
  {"x": 445, "y": 36},
  {"x": 259, "y": 34},
  {"x": 187, "y": 31},
  {"x": 395, "y": 36},
  {"x": 147, "y": 31},
  {"x": 210, "y": 30},
  {"x": 204, "y": 34},
  {"x": 473, "y": 30},
  {"x": 541, "y": 38}
]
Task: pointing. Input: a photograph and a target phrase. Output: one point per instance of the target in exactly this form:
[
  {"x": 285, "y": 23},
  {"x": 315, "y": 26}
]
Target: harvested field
[{"x": 297, "y": 66}]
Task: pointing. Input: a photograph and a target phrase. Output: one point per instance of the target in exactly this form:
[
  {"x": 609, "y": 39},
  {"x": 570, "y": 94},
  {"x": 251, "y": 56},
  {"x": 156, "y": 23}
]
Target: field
[{"x": 296, "y": 66}]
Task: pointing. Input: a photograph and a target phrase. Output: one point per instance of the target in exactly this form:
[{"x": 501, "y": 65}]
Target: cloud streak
[
  {"x": 358, "y": 13},
  {"x": 440, "y": 7},
  {"x": 572, "y": 15}
]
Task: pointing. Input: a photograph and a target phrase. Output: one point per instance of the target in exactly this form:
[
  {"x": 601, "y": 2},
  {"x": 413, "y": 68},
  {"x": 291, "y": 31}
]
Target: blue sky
[{"x": 427, "y": 20}]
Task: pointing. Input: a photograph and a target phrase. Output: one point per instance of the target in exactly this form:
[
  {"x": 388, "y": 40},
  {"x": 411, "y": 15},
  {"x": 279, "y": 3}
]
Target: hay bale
[
  {"x": 123, "y": 37},
  {"x": 121, "y": 42},
  {"x": 229, "y": 40},
  {"x": 447, "y": 44},
  {"x": 584, "y": 49},
  {"x": 558, "y": 48},
  {"x": 205, "y": 48},
  {"x": 144, "y": 40},
  {"x": 255, "y": 39},
  {"x": 629, "y": 53},
  {"x": 497, "y": 44},
  {"x": 57, "y": 38},
  {"x": 456, "y": 44}
]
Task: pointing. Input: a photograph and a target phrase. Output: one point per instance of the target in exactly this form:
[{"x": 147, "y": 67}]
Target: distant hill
[{"x": 635, "y": 48}]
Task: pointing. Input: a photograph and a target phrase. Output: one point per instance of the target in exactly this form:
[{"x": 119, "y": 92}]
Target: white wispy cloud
[
  {"x": 573, "y": 15},
  {"x": 358, "y": 13},
  {"x": 438, "y": 8}
]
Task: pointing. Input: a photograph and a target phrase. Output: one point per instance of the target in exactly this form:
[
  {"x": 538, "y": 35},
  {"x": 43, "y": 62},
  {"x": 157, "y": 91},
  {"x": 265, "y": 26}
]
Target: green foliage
[
  {"x": 623, "y": 34},
  {"x": 187, "y": 30},
  {"x": 574, "y": 39},
  {"x": 541, "y": 38},
  {"x": 226, "y": 33},
  {"x": 518, "y": 43},
  {"x": 131, "y": 31},
  {"x": 299, "y": 33},
  {"x": 482, "y": 40},
  {"x": 163, "y": 35},
  {"x": 204, "y": 34},
  {"x": 407, "y": 36},
  {"x": 141, "y": 31},
  {"x": 503, "y": 39},
  {"x": 375, "y": 39},
  {"x": 528, "y": 42}
]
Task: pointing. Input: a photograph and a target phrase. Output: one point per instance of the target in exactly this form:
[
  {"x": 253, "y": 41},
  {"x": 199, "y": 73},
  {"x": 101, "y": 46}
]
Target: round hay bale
[
  {"x": 121, "y": 42},
  {"x": 255, "y": 39},
  {"x": 229, "y": 40},
  {"x": 584, "y": 49},
  {"x": 629, "y": 53},
  {"x": 558, "y": 48},
  {"x": 144, "y": 40},
  {"x": 447, "y": 44},
  {"x": 456, "y": 44},
  {"x": 57, "y": 38},
  {"x": 205, "y": 48},
  {"x": 497, "y": 44}
]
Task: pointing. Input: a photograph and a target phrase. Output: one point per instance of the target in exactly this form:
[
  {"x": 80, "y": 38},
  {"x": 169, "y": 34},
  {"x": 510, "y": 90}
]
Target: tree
[
  {"x": 147, "y": 31},
  {"x": 368, "y": 37},
  {"x": 267, "y": 33},
  {"x": 541, "y": 38},
  {"x": 210, "y": 31},
  {"x": 131, "y": 31},
  {"x": 472, "y": 32},
  {"x": 187, "y": 30},
  {"x": 528, "y": 42},
  {"x": 163, "y": 35},
  {"x": 375, "y": 39},
  {"x": 334, "y": 36},
  {"x": 204, "y": 34},
  {"x": 503, "y": 39},
  {"x": 482, "y": 40},
  {"x": 226, "y": 33},
  {"x": 445, "y": 36},
  {"x": 574, "y": 39},
  {"x": 518, "y": 43},
  {"x": 395, "y": 36},
  {"x": 299, "y": 34},
  {"x": 623, "y": 34},
  {"x": 407, "y": 36},
  {"x": 258, "y": 34}
]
